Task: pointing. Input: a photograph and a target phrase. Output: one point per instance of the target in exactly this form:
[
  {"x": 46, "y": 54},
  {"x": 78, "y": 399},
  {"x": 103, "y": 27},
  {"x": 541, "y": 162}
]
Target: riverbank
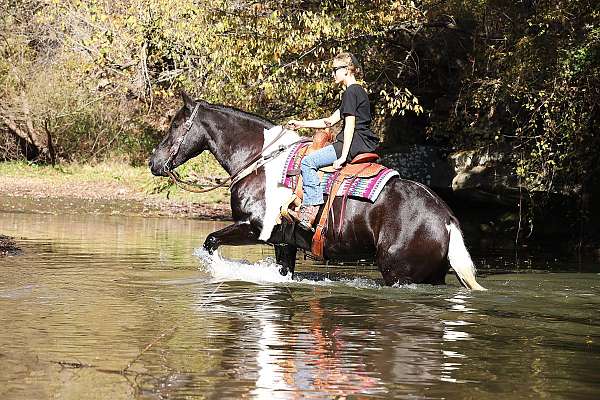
[{"x": 107, "y": 188}]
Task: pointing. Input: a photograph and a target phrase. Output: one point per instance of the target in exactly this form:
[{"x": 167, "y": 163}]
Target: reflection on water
[{"x": 122, "y": 307}]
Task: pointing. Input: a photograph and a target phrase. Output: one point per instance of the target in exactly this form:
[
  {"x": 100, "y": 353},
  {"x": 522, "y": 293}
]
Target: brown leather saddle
[{"x": 362, "y": 166}]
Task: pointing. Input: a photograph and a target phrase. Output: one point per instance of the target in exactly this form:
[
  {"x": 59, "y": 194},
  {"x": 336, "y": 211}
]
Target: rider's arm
[
  {"x": 349, "y": 124},
  {"x": 318, "y": 123}
]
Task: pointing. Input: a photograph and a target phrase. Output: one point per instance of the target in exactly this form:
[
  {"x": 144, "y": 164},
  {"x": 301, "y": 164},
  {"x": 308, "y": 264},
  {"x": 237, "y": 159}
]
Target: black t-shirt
[{"x": 355, "y": 101}]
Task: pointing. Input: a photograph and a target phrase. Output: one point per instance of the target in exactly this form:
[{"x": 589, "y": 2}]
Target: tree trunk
[
  {"x": 28, "y": 148},
  {"x": 32, "y": 142}
]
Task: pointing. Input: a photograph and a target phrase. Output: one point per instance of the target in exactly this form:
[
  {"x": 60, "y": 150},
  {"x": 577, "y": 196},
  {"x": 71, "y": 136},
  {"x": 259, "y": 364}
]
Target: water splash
[
  {"x": 266, "y": 271},
  {"x": 224, "y": 270}
]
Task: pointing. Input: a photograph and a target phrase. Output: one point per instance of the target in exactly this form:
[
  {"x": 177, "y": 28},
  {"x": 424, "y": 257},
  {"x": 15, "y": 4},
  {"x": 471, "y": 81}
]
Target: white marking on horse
[{"x": 275, "y": 193}]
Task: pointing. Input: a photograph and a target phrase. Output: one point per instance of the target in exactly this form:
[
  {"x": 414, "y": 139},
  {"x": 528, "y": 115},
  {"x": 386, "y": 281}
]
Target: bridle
[
  {"x": 185, "y": 185},
  {"x": 251, "y": 166},
  {"x": 175, "y": 147}
]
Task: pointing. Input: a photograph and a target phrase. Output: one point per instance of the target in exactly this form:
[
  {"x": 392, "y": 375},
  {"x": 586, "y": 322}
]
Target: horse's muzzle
[{"x": 157, "y": 168}]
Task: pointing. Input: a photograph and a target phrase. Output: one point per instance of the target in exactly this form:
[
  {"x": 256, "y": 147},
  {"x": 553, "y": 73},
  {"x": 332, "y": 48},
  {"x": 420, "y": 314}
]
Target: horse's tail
[{"x": 460, "y": 260}]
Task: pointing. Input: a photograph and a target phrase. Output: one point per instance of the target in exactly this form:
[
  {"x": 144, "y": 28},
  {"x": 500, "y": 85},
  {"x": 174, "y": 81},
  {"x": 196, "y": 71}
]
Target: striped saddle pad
[{"x": 364, "y": 188}]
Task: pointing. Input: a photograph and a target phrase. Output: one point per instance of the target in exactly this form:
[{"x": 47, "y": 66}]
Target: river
[{"x": 120, "y": 307}]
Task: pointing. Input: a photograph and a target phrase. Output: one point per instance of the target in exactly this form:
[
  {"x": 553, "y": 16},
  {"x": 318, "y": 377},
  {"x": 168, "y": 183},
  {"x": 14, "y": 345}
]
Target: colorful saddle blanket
[{"x": 365, "y": 188}]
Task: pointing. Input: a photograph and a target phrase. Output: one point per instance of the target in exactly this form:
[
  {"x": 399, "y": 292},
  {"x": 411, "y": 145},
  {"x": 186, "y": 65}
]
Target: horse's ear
[{"x": 187, "y": 100}]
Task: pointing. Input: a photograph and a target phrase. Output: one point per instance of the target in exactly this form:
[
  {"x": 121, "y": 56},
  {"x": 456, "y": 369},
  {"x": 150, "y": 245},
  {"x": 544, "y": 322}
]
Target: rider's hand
[
  {"x": 337, "y": 164},
  {"x": 293, "y": 124}
]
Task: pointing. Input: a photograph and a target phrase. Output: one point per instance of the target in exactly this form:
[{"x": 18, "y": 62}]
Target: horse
[{"x": 408, "y": 231}]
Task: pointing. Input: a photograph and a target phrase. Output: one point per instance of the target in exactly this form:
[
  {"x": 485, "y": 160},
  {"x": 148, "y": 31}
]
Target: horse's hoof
[
  {"x": 210, "y": 244},
  {"x": 283, "y": 271}
]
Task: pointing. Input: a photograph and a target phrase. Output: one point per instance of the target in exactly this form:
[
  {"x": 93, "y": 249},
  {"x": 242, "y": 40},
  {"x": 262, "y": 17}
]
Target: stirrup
[{"x": 302, "y": 224}]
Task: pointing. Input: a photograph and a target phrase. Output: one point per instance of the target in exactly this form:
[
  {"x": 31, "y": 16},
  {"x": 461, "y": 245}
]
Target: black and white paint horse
[{"x": 409, "y": 232}]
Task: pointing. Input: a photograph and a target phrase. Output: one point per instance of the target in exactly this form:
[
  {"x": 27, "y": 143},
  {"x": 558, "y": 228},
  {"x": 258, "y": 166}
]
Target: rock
[
  {"x": 481, "y": 175},
  {"x": 484, "y": 170},
  {"x": 420, "y": 163},
  {"x": 8, "y": 247}
]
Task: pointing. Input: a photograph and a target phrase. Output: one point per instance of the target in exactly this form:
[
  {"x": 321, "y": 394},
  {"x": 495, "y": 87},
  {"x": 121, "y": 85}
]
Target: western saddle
[{"x": 362, "y": 166}]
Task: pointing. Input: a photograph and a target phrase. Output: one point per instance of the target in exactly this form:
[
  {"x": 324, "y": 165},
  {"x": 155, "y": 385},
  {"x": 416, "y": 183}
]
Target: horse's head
[{"x": 185, "y": 139}]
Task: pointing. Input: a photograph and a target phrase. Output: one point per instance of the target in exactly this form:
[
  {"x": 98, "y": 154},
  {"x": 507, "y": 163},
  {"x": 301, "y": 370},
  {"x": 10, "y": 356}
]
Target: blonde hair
[{"x": 350, "y": 60}]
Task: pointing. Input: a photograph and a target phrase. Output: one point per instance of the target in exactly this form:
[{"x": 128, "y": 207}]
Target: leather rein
[{"x": 248, "y": 168}]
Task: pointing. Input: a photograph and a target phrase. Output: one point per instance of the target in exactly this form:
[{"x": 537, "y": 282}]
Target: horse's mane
[{"x": 236, "y": 112}]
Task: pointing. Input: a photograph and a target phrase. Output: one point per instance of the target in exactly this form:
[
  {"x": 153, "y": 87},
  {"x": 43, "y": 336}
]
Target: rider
[{"x": 355, "y": 137}]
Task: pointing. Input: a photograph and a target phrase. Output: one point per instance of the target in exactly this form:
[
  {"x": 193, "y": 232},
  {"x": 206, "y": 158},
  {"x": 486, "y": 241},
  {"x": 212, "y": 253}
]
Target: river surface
[{"x": 118, "y": 307}]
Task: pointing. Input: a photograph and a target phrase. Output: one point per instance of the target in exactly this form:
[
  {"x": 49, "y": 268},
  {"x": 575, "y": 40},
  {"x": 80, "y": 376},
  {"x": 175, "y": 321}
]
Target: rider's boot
[{"x": 307, "y": 216}]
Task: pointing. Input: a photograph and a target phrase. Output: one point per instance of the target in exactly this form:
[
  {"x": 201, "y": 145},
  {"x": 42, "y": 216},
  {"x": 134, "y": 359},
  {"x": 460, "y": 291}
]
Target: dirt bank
[{"x": 33, "y": 194}]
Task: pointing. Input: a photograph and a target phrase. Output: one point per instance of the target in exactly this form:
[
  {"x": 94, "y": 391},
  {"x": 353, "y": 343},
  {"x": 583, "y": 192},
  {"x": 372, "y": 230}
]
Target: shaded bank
[{"x": 495, "y": 209}]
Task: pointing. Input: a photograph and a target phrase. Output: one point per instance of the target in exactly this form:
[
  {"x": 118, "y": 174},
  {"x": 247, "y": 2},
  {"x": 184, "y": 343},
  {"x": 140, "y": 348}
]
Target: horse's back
[
  {"x": 401, "y": 200},
  {"x": 407, "y": 216},
  {"x": 411, "y": 206}
]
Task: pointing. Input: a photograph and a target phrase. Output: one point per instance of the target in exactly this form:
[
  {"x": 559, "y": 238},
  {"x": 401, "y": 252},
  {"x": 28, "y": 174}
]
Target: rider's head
[{"x": 345, "y": 64}]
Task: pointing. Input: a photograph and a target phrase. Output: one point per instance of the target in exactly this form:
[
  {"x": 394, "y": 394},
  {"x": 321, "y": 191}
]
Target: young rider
[{"x": 355, "y": 138}]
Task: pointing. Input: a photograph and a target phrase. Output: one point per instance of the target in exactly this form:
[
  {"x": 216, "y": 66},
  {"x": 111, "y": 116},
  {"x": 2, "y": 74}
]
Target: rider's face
[{"x": 339, "y": 71}]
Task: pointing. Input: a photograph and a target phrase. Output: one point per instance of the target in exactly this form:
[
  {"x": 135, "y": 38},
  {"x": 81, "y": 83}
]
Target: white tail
[{"x": 460, "y": 260}]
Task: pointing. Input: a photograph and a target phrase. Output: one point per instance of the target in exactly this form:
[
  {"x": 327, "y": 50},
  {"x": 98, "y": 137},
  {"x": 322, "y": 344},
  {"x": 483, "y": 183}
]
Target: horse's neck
[{"x": 235, "y": 145}]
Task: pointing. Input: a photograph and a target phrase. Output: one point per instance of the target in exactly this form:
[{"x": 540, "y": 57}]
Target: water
[{"x": 121, "y": 307}]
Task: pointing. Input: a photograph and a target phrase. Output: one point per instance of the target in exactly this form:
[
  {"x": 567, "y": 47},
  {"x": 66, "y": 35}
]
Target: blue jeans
[{"x": 313, "y": 192}]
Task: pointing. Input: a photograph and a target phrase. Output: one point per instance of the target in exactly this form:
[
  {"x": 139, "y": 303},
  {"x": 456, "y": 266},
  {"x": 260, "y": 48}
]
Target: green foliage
[
  {"x": 103, "y": 76},
  {"x": 116, "y": 64},
  {"x": 535, "y": 87}
]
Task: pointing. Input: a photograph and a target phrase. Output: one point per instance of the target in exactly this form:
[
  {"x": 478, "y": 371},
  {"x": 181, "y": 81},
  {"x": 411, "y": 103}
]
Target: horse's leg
[
  {"x": 439, "y": 277},
  {"x": 238, "y": 234},
  {"x": 285, "y": 255},
  {"x": 393, "y": 267},
  {"x": 417, "y": 259}
]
